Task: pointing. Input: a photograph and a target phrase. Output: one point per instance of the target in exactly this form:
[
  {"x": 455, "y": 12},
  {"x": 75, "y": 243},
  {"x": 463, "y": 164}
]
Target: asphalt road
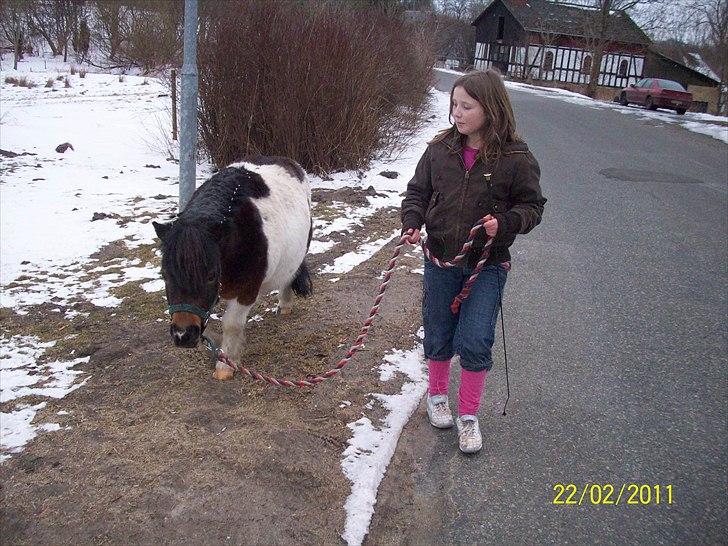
[{"x": 615, "y": 314}]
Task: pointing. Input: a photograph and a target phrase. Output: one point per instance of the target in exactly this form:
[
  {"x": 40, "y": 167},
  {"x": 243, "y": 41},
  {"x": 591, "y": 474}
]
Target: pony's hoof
[
  {"x": 284, "y": 311},
  {"x": 223, "y": 373}
]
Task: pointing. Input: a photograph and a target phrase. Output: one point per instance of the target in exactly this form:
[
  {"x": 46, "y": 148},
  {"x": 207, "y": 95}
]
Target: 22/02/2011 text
[{"x": 630, "y": 494}]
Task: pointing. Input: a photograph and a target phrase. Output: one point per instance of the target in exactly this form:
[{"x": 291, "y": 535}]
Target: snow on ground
[
  {"x": 372, "y": 445},
  {"x": 21, "y": 375},
  {"x": 48, "y": 201}
]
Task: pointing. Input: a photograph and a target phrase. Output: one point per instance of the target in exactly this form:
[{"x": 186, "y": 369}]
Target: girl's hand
[
  {"x": 414, "y": 237},
  {"x": 491, "y": 226}
]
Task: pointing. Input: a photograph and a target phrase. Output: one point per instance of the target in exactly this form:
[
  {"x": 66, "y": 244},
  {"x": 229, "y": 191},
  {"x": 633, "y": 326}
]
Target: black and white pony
[{"x": 244, "y": 233}]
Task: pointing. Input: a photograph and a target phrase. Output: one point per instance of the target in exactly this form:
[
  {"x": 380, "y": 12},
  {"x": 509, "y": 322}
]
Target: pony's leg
[
  {"x": 233, "y": 336},
  {"x": 285, "y": 301}
]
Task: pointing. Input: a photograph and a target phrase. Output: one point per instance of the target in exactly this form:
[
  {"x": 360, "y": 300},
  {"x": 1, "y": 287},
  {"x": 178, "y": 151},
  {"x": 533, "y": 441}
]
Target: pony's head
[{"x": 191, "y": 272}]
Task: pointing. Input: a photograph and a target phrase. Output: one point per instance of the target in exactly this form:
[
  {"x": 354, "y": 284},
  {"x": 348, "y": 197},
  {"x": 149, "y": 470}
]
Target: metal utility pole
[{"x": 188, "y": 108}]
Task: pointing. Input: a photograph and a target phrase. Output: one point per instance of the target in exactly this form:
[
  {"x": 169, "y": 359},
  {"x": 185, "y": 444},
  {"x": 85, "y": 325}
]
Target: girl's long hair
[{"x": 486, "y": 87}]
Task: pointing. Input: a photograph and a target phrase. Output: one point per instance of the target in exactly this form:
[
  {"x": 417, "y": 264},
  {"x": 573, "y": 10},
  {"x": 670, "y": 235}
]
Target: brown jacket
[{"x": 449, "y": 200}]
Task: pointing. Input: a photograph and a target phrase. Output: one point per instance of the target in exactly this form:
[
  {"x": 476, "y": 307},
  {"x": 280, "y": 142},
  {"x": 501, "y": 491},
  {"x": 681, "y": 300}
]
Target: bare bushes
[
  {"x": 146, "y": 34},
  {"x": 153, "y": 37},
  {"x": 20, "y": 82},
  {"x": 326, "y": 86}
]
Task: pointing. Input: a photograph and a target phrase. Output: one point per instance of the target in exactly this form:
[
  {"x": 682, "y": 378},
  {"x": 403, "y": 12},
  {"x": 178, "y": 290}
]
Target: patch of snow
[
  {"x": 347, "y": 262},
  {"x": 153, "y": 286},
  {"x": 371, "y": 448},
  {"x": 16, "y": 429}
]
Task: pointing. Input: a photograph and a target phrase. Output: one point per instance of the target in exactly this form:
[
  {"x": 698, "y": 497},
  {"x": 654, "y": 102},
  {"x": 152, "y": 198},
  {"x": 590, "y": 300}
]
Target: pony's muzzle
[{"x": 185, "y": 337}]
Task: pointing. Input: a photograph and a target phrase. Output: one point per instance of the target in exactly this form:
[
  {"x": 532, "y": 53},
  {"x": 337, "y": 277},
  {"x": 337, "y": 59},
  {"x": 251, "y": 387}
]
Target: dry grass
[{"x": 20, "y": 82}]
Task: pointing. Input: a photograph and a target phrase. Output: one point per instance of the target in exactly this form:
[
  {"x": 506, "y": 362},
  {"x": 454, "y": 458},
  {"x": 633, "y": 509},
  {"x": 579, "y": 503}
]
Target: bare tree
[
  {"x": 13, "y": 27},
  {"x": 54, "y": 20},
  {"x": 459, "y": 9},
  {"x": 599, "y": 25},
  {"x": 109, "y": 16},
  {"x": 709, "y": 18},
  {"x": 454, "y": 34}
]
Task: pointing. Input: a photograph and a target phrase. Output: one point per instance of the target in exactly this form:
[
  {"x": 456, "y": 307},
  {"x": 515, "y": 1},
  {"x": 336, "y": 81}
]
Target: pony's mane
[
  {"x": 190, "y": 252},
  {"x": 189, "y": 255}
]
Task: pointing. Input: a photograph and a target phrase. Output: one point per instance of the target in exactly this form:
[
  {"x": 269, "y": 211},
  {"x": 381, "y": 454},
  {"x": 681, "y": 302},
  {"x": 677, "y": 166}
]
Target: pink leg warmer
[
  {"x": 471, "y": 389},
  {"x": 439, "y": 371}
]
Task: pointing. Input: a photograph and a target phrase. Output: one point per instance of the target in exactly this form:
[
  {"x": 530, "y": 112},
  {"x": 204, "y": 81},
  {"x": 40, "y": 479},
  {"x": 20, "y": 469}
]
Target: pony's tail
[{"x": 301, "y": 284}]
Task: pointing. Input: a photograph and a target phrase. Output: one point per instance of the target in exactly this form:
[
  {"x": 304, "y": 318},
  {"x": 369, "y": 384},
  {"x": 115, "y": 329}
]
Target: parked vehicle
[{"x": 654, "y": 93}]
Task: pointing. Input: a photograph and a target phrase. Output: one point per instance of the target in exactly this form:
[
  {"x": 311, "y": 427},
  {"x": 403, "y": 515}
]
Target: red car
[{"x": 656, "y": 93}]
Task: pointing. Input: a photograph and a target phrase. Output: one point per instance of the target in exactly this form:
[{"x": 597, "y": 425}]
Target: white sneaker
[
  {"x": 438, "y": 410},
  {"x": 469, "y": 434}
]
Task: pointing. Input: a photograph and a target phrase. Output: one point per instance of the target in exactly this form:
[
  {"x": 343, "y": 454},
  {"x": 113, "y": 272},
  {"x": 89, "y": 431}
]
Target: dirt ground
[{"x": 154, "y": 451}]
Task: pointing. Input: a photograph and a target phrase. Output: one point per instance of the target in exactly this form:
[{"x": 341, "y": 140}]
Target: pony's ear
[{"x": 162, "y": 229}]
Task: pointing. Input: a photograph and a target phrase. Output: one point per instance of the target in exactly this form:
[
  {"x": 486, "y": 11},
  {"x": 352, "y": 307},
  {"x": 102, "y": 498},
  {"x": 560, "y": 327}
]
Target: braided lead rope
[
  {"x": 313, "y": 380},
  {"x": 462, "y": 296}
]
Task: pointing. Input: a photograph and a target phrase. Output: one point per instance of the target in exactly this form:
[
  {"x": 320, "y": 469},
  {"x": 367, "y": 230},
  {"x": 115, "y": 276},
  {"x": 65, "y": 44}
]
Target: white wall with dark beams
[{"x": 559, "y": 63}]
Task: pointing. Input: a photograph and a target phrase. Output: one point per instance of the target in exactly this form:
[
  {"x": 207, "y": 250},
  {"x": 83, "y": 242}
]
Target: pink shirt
[{"x": 469, "y": 155}]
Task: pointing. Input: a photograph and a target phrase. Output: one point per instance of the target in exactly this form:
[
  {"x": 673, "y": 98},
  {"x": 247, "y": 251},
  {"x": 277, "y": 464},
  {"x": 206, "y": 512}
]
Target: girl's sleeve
[
  {"x": 527, "y": 201},
  {"x": 419, "y": 192}
]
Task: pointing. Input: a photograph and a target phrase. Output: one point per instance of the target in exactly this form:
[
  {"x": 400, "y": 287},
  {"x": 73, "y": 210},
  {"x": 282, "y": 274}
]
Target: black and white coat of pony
[{"x": 244, "y": 233}]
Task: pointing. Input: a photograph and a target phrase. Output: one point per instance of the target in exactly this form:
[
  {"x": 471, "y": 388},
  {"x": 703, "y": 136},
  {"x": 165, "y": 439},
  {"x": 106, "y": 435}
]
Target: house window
[
  {"x": 548, "y": 61},
  {"x": 501, "y": 27},
  {"x": 623, "y": 67},
  {"x": 586, "y": 64}
]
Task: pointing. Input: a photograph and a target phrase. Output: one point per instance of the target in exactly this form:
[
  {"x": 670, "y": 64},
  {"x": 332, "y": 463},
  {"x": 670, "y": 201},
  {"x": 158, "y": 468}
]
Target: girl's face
[{"x": 467, "y": 112}]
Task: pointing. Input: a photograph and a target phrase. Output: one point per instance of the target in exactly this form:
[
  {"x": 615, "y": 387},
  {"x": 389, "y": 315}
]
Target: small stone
[{"x": 389, "y": 174}]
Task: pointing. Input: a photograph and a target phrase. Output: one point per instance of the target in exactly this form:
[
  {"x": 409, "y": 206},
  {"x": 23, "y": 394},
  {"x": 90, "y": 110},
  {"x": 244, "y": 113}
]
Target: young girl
[{"x": 477, "y": 168}]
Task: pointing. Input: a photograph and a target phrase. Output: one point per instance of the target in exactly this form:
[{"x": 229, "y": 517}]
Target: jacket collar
[{"x": 455, "y": 143}]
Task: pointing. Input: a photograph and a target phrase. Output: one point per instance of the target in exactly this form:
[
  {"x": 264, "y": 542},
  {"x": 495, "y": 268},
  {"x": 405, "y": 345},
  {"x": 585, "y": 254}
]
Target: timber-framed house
[{"x": 554, "y": 41}]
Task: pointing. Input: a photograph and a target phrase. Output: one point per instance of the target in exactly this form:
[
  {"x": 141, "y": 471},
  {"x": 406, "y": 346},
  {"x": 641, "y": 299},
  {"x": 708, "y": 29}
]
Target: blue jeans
[{"x": 471, "y": 332}]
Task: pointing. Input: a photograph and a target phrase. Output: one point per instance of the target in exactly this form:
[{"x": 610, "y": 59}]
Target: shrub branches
[{"x": 317, "y": 82}]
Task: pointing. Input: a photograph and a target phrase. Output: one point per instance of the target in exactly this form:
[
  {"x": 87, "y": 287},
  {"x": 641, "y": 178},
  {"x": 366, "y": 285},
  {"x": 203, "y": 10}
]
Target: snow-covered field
[{"x": 57, "y": 210}]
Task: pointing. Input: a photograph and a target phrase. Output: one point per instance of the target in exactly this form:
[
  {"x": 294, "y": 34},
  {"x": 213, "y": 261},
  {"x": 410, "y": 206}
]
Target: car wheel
[
  {"x": 680, "y": 111},
  {"x": 649, "y": 105},
  {"x": 623, "y": 99}
]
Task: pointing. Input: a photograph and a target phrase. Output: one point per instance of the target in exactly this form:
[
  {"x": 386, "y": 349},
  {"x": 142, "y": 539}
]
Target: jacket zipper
[{"x": 462, "y": 195}]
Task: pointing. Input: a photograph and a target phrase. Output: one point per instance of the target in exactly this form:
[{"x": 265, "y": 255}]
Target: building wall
[
  {"x": 487, "y": 29},
  {"x": 705, "y": 99},
  {"x": 567, "y": 63}
]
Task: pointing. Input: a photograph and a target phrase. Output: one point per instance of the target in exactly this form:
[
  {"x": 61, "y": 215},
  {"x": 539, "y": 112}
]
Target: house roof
[
  {"x": 685, "y": 62},
  {"x": 568, "y": 20},
  {"x": 685, "y": 55}
]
